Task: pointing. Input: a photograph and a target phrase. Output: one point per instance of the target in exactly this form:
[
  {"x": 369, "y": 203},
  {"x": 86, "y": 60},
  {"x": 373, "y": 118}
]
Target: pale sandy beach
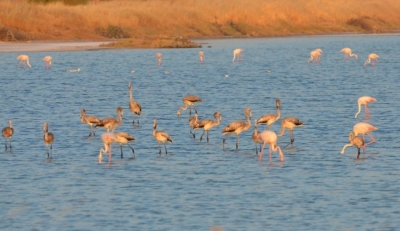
[{"x": 50, "y": 46}]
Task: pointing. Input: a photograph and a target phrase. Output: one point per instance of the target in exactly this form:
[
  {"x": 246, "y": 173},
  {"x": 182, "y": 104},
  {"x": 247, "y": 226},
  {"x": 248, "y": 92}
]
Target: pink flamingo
[
  {"x": 238, "y": 53},
  {"x": 364, "y": 129},
  {"x": 354, "y": 141},
  {"x": 270, "y": 137},
  {"x": 365, "y": 100},
  {"x": 201, "y": 56},
  {"x": 24, "y": 60},
  {"x": 315, "y": 55},
  {"x": 372, "y": 58},
  {"x": 159, "y": 58},
  {"x": 108, "y": 139},
  {"x": 47, "y": 62},
  {"x": 347, "y": 53}
]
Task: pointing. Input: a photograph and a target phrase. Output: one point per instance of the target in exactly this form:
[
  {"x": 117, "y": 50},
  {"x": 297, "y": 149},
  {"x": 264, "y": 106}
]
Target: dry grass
[{"x": 198, "y": 18}]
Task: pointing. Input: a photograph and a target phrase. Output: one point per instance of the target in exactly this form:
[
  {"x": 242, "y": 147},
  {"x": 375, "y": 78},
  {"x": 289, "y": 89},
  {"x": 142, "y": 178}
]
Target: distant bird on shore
[
  {"x": 348, "y": 53},
  {"x": 270, "y": 137},
  {"x": 201, "y": 56},
  {"x": 159, "y": 58},
  {"x": 23, "y": 60},
  {"x": 315, "y": 55},
  {"x": 189, "y": 101},
  {"x": 47, "y": 62},
  {"x": 237, "y": 127},
  {"x": 237, "y": 53},
  {"x": 48, "y": 139},
  {"x": 354, "y": 141},
  {"x": 364, "y": 100},
  {"x": 372, "y": 58},
  {"x": 7, "y": 133}
]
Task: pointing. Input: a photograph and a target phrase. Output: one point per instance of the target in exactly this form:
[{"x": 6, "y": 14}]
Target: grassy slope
[{"x": 152, "y": 19}]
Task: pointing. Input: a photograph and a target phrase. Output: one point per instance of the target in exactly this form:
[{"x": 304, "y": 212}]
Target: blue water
[{"x": 198, "y": 185}]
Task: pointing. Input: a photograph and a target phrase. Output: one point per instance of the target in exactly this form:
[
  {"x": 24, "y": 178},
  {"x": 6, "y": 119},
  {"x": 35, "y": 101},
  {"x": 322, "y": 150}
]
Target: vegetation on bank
[{"x": 168, "y": 23}]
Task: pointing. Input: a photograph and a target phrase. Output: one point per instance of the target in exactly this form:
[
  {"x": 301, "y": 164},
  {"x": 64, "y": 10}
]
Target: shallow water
[{"x": 198, "y": 185}]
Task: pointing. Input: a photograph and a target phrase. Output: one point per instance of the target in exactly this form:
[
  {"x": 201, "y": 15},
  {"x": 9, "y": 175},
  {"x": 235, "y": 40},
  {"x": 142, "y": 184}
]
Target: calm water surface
[{"x": 198, "y": 185}]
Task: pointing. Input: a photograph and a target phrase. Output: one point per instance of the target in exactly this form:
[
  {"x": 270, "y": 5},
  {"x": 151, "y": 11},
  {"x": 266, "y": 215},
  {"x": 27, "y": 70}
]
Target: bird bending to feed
[
  {"x": 108, "y": 139},
  {"x": 47, "y": 62},
  {"x": 364, "y": 100},
  {"x": 364, "y": 129},
  {"x": 354, "y": 141},
  {"x": 290, "y": 123},
  {"x": 23, "y": 60},
  {"x": 90, "y": 120},
  {"x": 347, "y": 53},
  {"x": 315, "y": 55},
  {"x": 237, "y": 53},
  {"x": 159, "y": 58},
  {"x": 269, "y": 137},
  {"x": 192, "y": 123},
  {"x": 161, "y": 137},
  {"x": 48, "y": 140},
  {"x": 269, "y": 119},
  {"x": 134, "y": 105},
  {"x": 372, "y": 58},
  {"x": 201, "y": 56},
  {"x": 189, "y": 101},
  {"x": 208, "y": 124},
  {"x": 111, "y": 123},
  {"x": 7, "y": 134},
  {"x": 124, "y": 138},
  {"x": 237, "y": 127},
  {"x": 74, "y": 70},
  {"x": 256, "y": 138}
]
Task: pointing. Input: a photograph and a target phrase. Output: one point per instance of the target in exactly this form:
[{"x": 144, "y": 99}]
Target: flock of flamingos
[{"x": 236, "y": 127}]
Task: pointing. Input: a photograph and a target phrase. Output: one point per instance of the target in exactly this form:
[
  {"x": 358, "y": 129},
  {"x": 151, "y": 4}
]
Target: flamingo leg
[
  {"x": 159, "y": 148},
  {"x": 237, "y": 141},
  {"x": 165, "y": 146},
  {"x": 270, "y": 152},
  {"x": 194, "y": 134},
  {"x": 133, "y": 151},
  {"x": 358, "y": 155},
  {"x": 201, "y": 137},
  {"x": 207, "y": 136},
  {"x": 223, "y": 141},
  {"x": 109, "y": 153},
  {"x": 5, "y": 144},
  {"x": 373, "y": 140},
  {"x": 261, "y": 152},
  {"x": 122, "y": 153}
]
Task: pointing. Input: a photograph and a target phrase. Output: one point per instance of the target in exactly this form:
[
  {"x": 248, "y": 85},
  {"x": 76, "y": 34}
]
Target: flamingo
[
  {"x": 47, "y": 62},
  {"x": 108, "y": 139},
  {"x": 112, "y": 123},
  {"x": 270, "y": 137},
  {"x": 90, "y": 120},
  {"x": 159, "y": 58},
  {"x": 364, "y": 100},
  {"x": 7, "y": 134},
  {"x": 192, "y": 123},
  {"x": 24, "y": 60},
  {"x": 255, "y": 137},
  {"x": 290, "y": 123},
  {"x": 48, "y": 140},
  {"x": 237, "y": 127},
  {"x": 238, "y": 53},
  {"x": 208, "y": 124},
  {"x": 201, "y": 56},
  {"x": 372, "y": 58},
  {"x": 189, "y": 100},
  {"x": 269, "y": 119},
  {"x": 347, "y": 53},
  {"x": 124, "y": 138},
  {"x": 315, "y": 55},
  {"x": 364, "y": 129},
  {"x": 161, "y": 137},
  {"x": 134, "y": 105},
  {"x": 354, "y": 141}
]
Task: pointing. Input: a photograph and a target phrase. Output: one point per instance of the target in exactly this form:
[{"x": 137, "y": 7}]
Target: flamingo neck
[
  {"x": 359, "y": 110},
  {"x": 131, "y": 94},
  {"x": 282, "y": 130}
]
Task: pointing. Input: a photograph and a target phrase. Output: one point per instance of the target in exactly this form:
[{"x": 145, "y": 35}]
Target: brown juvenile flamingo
[
  {"x": 372, "y": 58},
  {"x": 23, "y": 60},
  {"x": 290, "y": 123},
  {"x": 108, "y": 139},
  {"x": 315, "y": 55},
  {"x": 124, "y": 138},
  {"x": 237, "y": 53},
  {"x": 270, "y": 137},
  {"x": 354, "y": 141},
  {"x": 134, "y": 105},
  {"x": 192, "y": 123},
  {"x": 208, "y": 124},
  {"x": 347, "y": 53},
  {"x": 364, "y": 129},
  {"x": 159, "y": 58},
  {"x": 201, "y": 56},
  {"x": 237, "y": 127},
  {"x": 112, "y": 123},
  {"x": 7, "y": 134},
  {"x": 189, "y": 101},
  {"x": 47, "y": 62},
  {"x": 364, "y": 100},
  {"x": 269, "y": 119},
  {"x": 255, "y": 137},
  {"x": 161, "y": 137},
  {"x": 90, "y": 120},
  {"x": 48, "y": 140}
]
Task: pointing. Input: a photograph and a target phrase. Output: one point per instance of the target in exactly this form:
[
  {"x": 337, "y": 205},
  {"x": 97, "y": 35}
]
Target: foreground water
[{"x": 198, "y": 185}]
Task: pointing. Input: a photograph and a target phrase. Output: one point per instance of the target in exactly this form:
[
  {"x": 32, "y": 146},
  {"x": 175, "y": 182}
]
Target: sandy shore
[{"x": 50, "y": 46}]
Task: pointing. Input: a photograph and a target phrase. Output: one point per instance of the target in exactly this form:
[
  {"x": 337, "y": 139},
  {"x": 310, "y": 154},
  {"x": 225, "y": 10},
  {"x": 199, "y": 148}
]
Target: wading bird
[
  {"x": 201, "y": 56},
  {"x": 124, "y": 138},
  {"x": 347, "y": 53},
  {"x": 47, "y": 62},
  {"x": 354, "y": 141},
  {"x": 208, "y": 124},
  {"x": 7, "y": 134},
  {"x": 364, "y": 100},
  {"x": 189, "y": 101},
  {"x": 364, "y": 129},
  {"x": 269, "y": 137},
  {"x": 237, "y": 127},
  {"x": 23, "y": 60},
  {"x": 134, "y": 105},
  {"x": 237, "y": 53},
  {"x": 161, "y": 137},
  {"x": 159, "y": 58},
  {"x": 269, "y": 119},
  {"x": 90, "y": 120},
  {"x": 192, "y": 123},
  {"x": 108, "y": 139},
  {"x": 290, "y": 123},
  {"x": 372, "y": 58},
  {"x": 112, "y": 123},
  {"x": 315, "y": 55},
  {"x": 48, "y": 140},
  {"x": 256, "y": 138}
]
